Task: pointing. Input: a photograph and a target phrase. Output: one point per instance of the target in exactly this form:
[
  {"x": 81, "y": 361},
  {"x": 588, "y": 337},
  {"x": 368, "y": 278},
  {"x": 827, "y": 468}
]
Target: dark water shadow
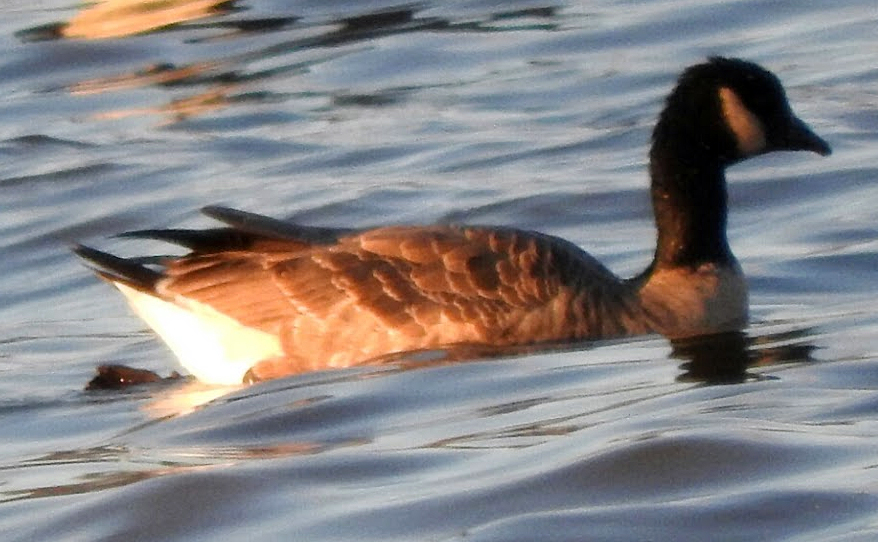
[
  {"x": 726, "y": 358},
  {"x": 723, "y": 358}
]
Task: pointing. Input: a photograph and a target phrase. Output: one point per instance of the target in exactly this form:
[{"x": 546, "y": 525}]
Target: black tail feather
[
  {"x": 244, "y": 231},
  {"x": 273, "y": 228},
  {"x": 198, "y": 241},
  {"x": 116, "y": 269}
]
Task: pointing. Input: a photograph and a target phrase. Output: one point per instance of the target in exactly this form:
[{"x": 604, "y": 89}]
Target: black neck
[{"x": 689, "y": 201}]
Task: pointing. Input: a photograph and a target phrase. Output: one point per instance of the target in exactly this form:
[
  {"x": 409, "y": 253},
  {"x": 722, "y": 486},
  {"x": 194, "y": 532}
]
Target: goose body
[{"x": 260, "y": 298}]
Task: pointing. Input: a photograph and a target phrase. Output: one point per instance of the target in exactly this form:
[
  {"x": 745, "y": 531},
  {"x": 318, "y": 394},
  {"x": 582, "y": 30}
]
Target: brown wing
[
  {"x": 412, "y": 279},
  {"x": 476, "y": 284},
  {"x": 333, "y": 298}
]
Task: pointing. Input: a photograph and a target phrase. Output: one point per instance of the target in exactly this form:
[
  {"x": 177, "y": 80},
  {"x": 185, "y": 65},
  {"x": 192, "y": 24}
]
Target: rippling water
[{"x": 356, "y": 113}]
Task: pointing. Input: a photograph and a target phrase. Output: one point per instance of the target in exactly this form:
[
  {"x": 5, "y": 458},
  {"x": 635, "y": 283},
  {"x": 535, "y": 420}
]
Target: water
[{"x": 359, "y": 113}]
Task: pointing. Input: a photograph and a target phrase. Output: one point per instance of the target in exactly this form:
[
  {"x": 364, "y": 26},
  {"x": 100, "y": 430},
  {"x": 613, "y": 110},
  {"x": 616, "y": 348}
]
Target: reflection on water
[
  {"x": 119, "y": 18},
  {"x": 105, "y": 19},
  {"x": 230, "y": 80},
  {"x": 161, "y": 74},
  {"x": 183, "y": 398},
  {"x": 88, "y": 459},
  {"x": 725, "y": 358},
  {"x": 200, "y": 427}
]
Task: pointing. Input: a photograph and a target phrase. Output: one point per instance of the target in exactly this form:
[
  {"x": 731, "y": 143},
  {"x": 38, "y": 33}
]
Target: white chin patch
[
  {"x": 747, "y": 128},
  {"x": 213, "y": 347}
]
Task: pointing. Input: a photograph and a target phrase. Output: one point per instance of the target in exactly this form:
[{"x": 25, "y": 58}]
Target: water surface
[{"x": 532, "y": 114}]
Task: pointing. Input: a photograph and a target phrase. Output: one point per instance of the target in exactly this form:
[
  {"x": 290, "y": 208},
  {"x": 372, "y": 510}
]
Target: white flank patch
[
  {"x": 748, "y": 129},
  {"x": 213, "y": 347}
]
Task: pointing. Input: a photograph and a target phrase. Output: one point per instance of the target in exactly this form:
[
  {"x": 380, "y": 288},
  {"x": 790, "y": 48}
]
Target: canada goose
[{"x": 261, "y": 298}]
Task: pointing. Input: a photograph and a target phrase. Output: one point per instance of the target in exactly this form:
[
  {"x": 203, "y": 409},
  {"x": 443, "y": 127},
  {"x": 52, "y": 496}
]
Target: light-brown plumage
[
  {"x": 267, "y": 298},
  {"x": 405, "y": 288}
]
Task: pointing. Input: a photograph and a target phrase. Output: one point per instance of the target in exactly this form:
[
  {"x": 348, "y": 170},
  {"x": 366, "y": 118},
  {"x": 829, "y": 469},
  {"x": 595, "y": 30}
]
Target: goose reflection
[
  {"x": 723, "y": 358},
  {"x": 726, "y": 358}
]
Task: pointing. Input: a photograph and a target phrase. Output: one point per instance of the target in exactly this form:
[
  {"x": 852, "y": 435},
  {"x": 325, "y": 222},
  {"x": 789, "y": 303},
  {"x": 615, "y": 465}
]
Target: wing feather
[
  {"x": 338, "y": 297},
  {"x": 403, "y": 278}
]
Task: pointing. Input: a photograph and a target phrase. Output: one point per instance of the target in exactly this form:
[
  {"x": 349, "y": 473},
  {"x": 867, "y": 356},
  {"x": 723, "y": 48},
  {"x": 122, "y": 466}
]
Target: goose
[{"x": 259, "y": 298}]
